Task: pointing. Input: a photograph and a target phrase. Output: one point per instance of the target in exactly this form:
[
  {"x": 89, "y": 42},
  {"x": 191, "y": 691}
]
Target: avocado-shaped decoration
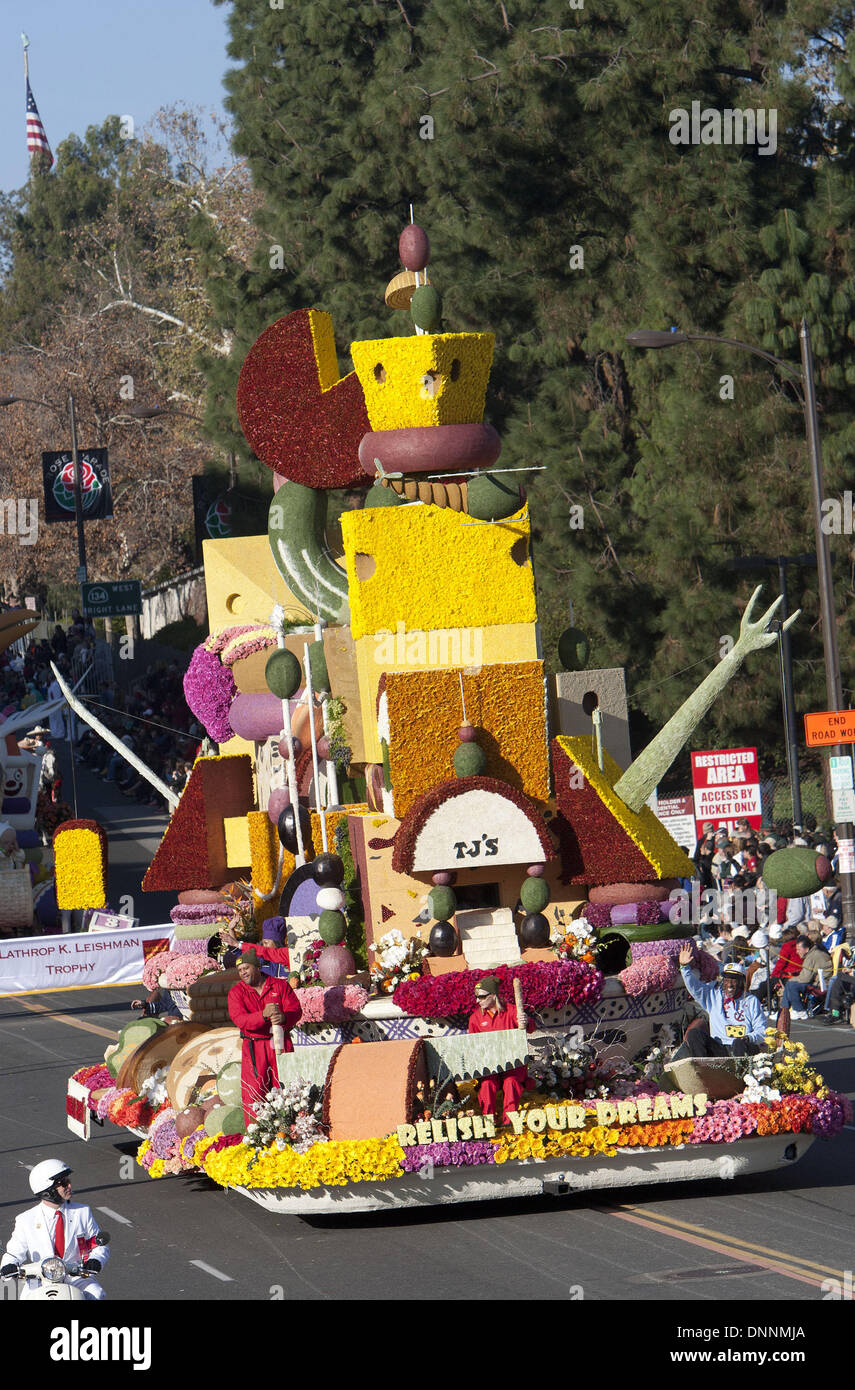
[
  {"x": 534, "y": 894},
  {"x": 287, "y": 828},
  {"x": 283, "y": 674},
  {"x": 380, "y": 496},
  {"x": 534, "y": 930},
  {"x": 426, "y": 308},
  {"x": 442, "y": 903},
  {"x": 573, "y": 649},
  {"x": 332, "y": 927},
  {"x": 318, "y": 667},
  {"x": 490, "y": 499},
  {"x": 328, "y": 870},
  {"x": 443, "y": 939},
  {"x": 469, "y": 760},
  {"x": 792, "y": 873}
]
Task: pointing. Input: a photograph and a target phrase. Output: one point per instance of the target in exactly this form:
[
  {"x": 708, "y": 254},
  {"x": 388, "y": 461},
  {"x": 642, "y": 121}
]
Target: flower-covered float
[{"x": 402, "y": 783}]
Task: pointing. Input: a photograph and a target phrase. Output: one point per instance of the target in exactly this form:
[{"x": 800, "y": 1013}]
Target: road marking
[
  {"x": 719, "y": 1248},
  {"x": 66, "y": 1018},
  {"x": 781, "y": 1263},
  {"x": 209, "y": 1269},
  {"x": 114, "y": 1216},
  {"x": 735, "y": 1240}
]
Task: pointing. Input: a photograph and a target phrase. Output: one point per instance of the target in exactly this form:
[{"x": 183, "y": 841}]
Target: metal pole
[
  {"x": 78, "y": 499},
  {"x": 834, "y": 693},
  {"x": 788, "y": 697}
]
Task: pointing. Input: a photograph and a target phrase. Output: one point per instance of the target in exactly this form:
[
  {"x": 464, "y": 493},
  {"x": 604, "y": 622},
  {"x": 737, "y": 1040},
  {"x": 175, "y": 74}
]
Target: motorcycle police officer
[{"x": 56, "y": 1227}]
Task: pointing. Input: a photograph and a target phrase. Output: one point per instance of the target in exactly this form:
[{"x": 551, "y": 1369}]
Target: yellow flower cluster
[
  {"x": 430, "y": 379},
  {"x": 579, "y": 1143},
  {"x": 466, "y": 576},
  {"x": 80, "y": 850},
  {"x": 323, "y": 1165},
  {"x": 155, "y": 1169},
  {"x": 795, "y": 1075},
  {"x": 642, "y": 827}
]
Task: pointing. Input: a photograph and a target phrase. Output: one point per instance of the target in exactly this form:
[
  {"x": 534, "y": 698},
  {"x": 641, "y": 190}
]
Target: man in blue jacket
[{"x": 736, "y": 1024}]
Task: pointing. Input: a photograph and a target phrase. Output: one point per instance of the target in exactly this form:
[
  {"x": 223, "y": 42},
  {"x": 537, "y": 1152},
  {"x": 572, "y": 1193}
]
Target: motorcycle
[{"x": 54, "y": 1277}]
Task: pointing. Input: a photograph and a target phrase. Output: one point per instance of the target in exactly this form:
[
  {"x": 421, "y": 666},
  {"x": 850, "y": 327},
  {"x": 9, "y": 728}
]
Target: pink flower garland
[{"x": 337, "y": 1004}]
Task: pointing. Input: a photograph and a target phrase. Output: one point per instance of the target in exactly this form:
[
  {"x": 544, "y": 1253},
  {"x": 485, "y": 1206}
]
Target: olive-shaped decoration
[
  {"x": 318, "y": 667},
  {"x": 469, "y": 760},
  {"x": 332, "y": 927},
  {"x": 442, "y": 940},
  {"x": 442, "y": 903},
  {"x": 414, "y": 247},
  {"x": 534, "y": 930},
  {"x": 573, "y": 649},
  {"x": 283, "y": 674},
  {"x": 426, "y": 308},
  {"x": 534, "y": 894},
  {"x": 328, "y": 870},
  {"x": 287, "y": 828}
]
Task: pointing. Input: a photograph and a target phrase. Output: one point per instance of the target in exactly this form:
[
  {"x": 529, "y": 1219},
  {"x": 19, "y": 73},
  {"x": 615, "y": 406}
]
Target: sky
[{"x": 90, "y": 59}]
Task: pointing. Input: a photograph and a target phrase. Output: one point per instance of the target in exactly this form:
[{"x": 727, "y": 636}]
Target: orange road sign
[{"x": 830, "y": 727}]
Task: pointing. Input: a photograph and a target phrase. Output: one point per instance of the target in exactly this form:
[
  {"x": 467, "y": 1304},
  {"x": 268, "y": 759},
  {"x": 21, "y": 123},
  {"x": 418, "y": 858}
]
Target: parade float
[{"x": 401, "y": 781}]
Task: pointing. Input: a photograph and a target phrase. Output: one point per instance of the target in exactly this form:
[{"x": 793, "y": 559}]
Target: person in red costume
[
  {"x": 488, "y": 1016},
  {"x": 257, "y": 1003}
]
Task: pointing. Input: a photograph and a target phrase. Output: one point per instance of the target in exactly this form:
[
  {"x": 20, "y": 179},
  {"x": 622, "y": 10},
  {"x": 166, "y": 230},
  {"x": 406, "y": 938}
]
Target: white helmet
[{"x": 44, "y": 1175}]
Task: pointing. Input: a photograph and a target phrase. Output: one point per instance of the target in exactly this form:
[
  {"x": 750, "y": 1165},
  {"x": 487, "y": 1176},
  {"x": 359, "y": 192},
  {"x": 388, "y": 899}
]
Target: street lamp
[
  {"x": 651, "y": 338},
  {"x": 75, "y": 459}
]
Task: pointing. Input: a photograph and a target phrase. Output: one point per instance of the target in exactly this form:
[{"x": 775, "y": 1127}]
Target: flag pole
[{"x": 26, "y": 42}]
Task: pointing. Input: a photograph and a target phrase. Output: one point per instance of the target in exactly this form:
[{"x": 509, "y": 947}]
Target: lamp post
[
  {"x": 75, "y": 459},
  {"x": 804, "y": 378}
]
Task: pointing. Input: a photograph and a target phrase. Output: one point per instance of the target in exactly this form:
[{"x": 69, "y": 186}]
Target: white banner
[{"x": 79, "y": 960}]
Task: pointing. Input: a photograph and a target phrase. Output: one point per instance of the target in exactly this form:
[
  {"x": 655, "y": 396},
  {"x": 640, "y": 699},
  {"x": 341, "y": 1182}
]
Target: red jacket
[
  {"x": 246, "y": 1006},
  {"x": 789, "y": 962}
]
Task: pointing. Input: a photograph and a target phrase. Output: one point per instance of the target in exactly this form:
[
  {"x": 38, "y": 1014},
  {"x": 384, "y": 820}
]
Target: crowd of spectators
[
  {"x": 787, "y": 946},
  {"x": 150, "y": 717},
  {"x": 153, "y": 721}
]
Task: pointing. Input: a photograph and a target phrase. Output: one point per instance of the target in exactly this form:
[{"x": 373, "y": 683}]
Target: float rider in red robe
[
  {"x": 256, "y": 1003},
  {"x": 488, "y": 1016}
]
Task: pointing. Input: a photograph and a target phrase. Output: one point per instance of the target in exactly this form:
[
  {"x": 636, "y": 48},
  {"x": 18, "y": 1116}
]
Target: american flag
[{"x": 36, "y": 137}]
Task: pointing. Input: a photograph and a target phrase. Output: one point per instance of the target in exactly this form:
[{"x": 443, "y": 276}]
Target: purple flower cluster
[
  {"x": 830, "y": 1115},
  {"x": 209, "y": 688},
  {"x": 164, "y": 1140},
  {"x": 106, "y": 1101},
  {"x": 462, "y": 1153},
  {"x": 640, "y": 949},
  {"x": 192, "y": 1140},
  {"x": 198, "y": 912},
  {"x": 598, "y": 915},
  {"x": 190, "y": 946}
]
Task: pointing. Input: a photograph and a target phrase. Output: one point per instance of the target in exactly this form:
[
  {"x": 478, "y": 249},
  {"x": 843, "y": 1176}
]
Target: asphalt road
[{"x": 779, "y": 1236}]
